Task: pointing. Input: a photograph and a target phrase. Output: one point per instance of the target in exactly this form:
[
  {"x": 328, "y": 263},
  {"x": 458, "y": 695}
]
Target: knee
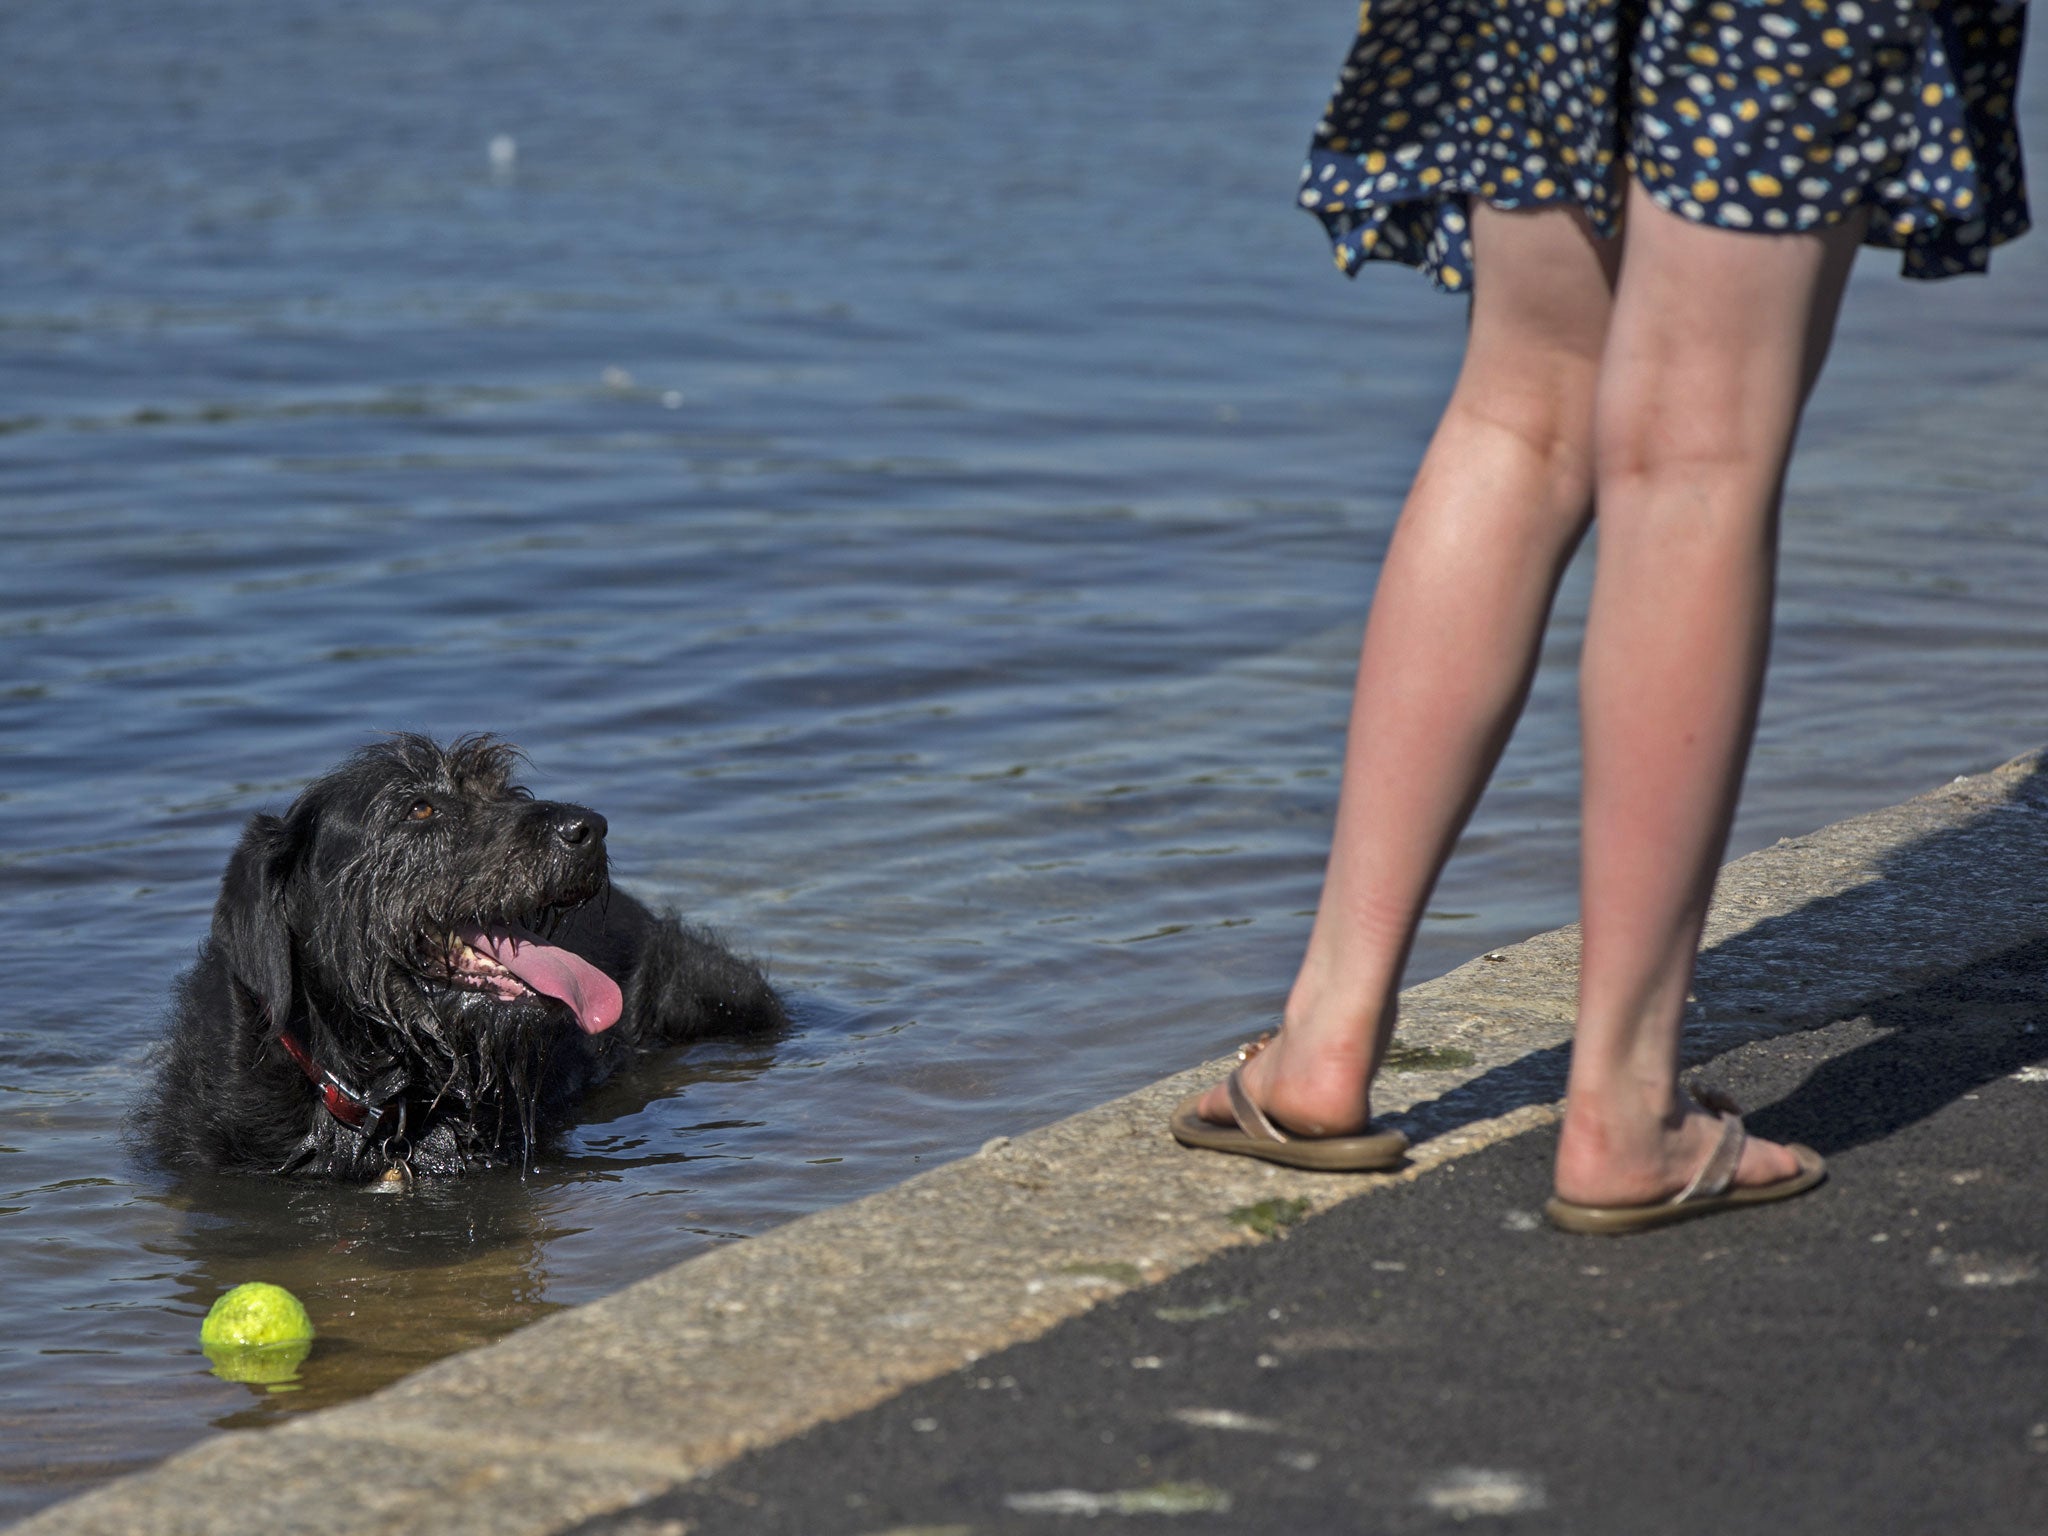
[
  {"x": 1667, "y": 428},
  {"x": 1542, "y": 415},
  {"x": 1678, "y": 402}
]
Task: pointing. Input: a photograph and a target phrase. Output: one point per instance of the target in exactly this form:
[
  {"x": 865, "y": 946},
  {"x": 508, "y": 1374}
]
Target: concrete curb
[{"x": 612, "y": 1402}]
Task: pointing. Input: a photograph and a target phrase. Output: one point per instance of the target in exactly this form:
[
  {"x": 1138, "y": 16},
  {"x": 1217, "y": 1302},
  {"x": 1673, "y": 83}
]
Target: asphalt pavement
[{"x": 1871, "y": 1358}]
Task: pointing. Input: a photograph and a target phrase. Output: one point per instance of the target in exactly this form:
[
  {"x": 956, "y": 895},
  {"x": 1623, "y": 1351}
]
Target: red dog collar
[{"x": 352, "y": 1109}]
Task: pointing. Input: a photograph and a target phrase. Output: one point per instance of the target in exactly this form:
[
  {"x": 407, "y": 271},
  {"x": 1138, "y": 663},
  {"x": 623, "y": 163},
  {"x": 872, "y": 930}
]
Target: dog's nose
[{"x": 576, "y": 826}]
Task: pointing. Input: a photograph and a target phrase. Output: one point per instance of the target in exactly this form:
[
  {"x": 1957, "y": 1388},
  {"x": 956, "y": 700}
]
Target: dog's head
[{"x": 415, "y": 886}]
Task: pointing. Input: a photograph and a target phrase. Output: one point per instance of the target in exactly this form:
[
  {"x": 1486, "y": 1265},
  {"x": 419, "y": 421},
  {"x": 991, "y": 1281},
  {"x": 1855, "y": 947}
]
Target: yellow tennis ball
[
  {"x": 257, "y": 1333},
  {"x": 255, "y": 1316}
]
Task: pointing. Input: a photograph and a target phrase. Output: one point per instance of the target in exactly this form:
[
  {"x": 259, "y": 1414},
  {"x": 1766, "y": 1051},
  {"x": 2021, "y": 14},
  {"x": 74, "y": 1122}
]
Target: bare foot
[
  {"x": 1310, "y": 1081},
  {"x": 1602, "y": 1161}
]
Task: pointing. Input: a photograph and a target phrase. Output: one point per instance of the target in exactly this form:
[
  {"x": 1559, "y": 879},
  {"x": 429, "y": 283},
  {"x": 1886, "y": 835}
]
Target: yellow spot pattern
[{"x": 1763, "y": 114}]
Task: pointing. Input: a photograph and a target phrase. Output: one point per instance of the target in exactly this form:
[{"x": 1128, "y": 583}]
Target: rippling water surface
[{"x": 907, "y": 464}]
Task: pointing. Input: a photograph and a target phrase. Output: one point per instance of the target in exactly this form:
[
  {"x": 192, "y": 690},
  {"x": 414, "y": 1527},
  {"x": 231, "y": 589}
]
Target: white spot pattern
[{"x": 1779, "y": 114}]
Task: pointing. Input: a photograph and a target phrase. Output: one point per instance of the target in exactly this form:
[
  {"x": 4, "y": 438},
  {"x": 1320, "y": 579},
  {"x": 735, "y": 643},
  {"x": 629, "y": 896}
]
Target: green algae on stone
[
  {"x": 1267, "y": 1217},
  {"x": 1403, "y": 1057},
  {"x": 1121, "y": 1274}
]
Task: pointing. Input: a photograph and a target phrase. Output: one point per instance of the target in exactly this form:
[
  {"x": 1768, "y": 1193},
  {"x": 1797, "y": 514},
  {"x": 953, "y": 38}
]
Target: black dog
[{"x": 419, "y": 966}]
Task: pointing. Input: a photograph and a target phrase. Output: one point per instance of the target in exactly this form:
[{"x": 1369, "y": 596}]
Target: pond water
[{"x": 909, "y": 465}]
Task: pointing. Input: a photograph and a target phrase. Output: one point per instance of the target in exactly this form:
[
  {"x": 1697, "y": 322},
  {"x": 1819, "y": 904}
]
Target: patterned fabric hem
[
  {"x": 1430, "y": 230},
  {"x": 1766, "y": 115}
]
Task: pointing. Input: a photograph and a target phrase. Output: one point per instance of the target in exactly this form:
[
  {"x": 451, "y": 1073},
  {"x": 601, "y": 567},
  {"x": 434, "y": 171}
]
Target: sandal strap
[
  {"x": 1717, "y": 1173},
  {"x": 1250, "y": 1118}
]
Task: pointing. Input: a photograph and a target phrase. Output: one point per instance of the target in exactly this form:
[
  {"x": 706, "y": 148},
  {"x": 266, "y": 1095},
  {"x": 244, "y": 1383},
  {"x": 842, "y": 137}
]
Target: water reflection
[{"x": 396, "y": 1280}]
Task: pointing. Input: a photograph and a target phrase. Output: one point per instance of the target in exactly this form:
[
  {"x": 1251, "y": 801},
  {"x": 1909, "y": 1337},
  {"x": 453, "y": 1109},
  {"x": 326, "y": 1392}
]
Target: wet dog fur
[{"x": 368, "y": 921}]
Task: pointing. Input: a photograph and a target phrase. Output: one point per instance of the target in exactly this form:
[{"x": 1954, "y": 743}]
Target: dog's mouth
[{"x": 509, "y": 962}]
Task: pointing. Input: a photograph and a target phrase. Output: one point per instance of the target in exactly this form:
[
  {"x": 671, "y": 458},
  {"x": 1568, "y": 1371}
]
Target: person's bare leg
[
  {"x": 1501, "y": 500},
  {"x": 1717, "y": 335}
]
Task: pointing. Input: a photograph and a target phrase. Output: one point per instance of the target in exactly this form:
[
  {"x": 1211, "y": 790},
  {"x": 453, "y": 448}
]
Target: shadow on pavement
[{"x": 1926, "y": 898}]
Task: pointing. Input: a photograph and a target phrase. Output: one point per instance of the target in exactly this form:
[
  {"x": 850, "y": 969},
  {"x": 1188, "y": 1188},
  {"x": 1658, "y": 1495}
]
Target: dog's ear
[{"x": 249, "y": 923}]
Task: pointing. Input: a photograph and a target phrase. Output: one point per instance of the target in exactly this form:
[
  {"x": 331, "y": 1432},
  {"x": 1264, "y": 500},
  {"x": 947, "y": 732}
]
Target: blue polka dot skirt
[{"x": 1747, "y": 114}]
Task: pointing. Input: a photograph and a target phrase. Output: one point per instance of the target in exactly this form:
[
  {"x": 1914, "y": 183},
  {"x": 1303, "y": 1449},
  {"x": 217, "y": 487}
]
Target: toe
[{"x": 1215, "y": 1106}]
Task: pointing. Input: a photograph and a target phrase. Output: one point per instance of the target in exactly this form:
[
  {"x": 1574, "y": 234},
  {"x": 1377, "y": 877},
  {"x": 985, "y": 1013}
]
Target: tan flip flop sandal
[
  {"x": 1371, "y": 1151},
  {"x": 1712, "y": 1189}
]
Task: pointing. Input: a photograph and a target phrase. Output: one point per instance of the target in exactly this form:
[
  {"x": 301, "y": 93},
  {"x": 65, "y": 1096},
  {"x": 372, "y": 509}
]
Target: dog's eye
[{"x": 422, "y": 810}]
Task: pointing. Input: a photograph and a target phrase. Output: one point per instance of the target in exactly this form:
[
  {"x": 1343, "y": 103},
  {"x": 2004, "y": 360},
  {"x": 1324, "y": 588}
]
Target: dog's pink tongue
[{"x": 591, "y": 995}]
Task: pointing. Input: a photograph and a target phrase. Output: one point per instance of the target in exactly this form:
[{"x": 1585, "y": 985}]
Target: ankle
[
  {"x": 1338, "y": 1015},
  {"x": 1625, "y": 1102},
  {"x": 1622, "y": 1145}
]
